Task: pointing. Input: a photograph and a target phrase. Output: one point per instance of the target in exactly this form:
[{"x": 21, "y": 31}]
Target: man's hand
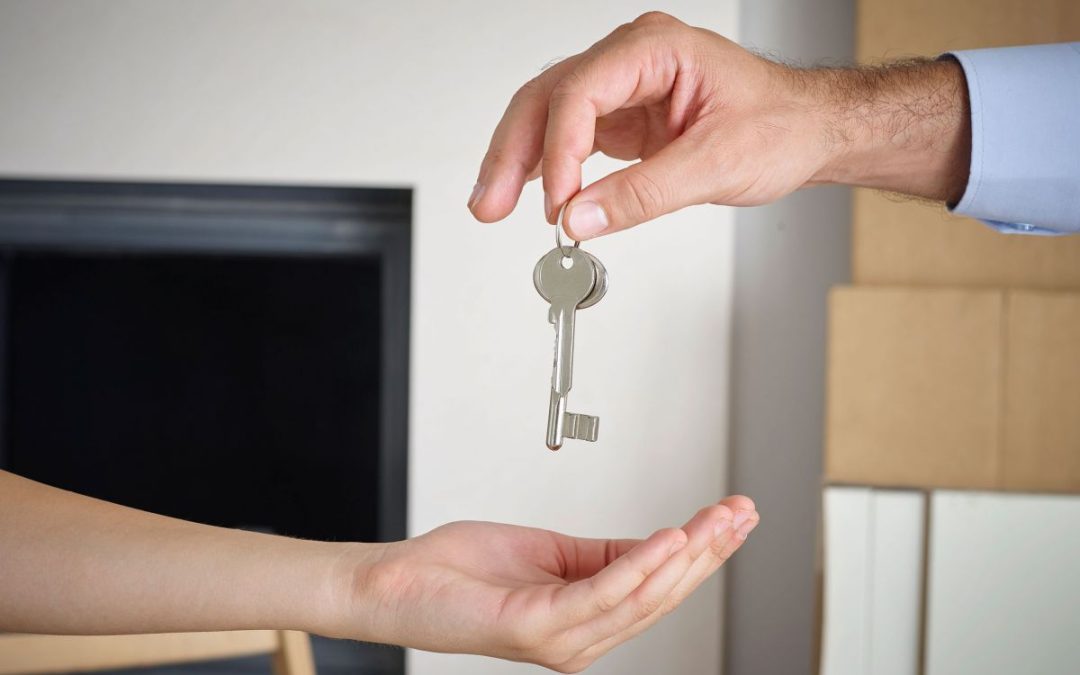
[
  {"x": 533, "y": 595},
  {"x": 716, "y": 123}
]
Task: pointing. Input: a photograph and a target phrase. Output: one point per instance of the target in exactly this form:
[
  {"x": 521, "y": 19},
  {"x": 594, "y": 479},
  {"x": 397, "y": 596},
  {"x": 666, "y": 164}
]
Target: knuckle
[
  {"x": 674, "y": 600},
  {"x": 560, "y": 660},
  {"x": 567, "y": 88},
  {"x": 527, "y": 91},
  {"x": 525, "y": 640},
  {"x": 719, "y": 549},
  {"x": 572, "y": 666},
  {"x": 676, "y": 534},
  {"x": 548, "y": 654},
  {"x": 647, "y": 606},
  {"x": 721, "y": 512},
  {"x": 605, "y": 603},
  {"x": 654, "y": 18},
  {"x": 648, "y": 195},
  {"x": 505, "y": 160},
  {"x": 550, "y": 163}
]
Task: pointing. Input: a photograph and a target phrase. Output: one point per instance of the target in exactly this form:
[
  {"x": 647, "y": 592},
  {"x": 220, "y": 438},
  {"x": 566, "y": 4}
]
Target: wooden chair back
[{"x": 22, "y": 654}]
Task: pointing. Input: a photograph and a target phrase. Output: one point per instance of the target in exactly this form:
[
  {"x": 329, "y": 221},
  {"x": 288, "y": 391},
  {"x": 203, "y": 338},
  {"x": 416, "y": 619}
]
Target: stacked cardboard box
[
  {"x": 905, "y": 242},
  {"x": 954, "y": 361},
  {"x": 933, "y": 387}
]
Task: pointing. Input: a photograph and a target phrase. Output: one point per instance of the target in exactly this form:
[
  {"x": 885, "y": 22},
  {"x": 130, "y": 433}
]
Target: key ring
[{"x": 558, "y": 234}]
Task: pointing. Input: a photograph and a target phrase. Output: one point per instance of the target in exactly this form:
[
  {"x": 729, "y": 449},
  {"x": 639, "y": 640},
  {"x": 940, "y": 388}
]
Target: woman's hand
[
  {"x": 76, "y": 565},
  {"x": 532, "y": 595},
  {"x": 716, "y": 123}
]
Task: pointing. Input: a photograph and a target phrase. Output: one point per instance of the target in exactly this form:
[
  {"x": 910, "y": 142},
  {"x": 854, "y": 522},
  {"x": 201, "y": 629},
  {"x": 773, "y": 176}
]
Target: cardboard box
[
  {"x": 1042, "y": 402},
  {"x": 914, "y": 243},
  {"x": 954, "y": 388},
  {"x": 887, "y": 29},
  {"x": 914, "y": 387}
]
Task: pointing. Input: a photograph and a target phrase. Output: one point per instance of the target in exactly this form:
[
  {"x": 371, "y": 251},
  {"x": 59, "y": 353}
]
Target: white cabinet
[
  {"x": 1002, "y": 583},
  {"x": 1003, "y": 592},
  {"x": 873, "y": 581}
]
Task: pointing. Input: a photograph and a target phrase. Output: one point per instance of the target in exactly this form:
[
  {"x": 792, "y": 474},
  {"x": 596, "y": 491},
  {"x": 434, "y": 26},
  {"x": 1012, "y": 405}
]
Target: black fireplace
[{"x": 233, "y": 355}]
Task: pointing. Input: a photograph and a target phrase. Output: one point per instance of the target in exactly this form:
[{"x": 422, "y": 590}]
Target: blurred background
[{"x": 239, "y": 284}]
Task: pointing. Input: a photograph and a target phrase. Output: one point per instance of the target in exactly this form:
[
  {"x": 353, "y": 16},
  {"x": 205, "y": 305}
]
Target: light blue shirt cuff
[{"x": 1025, "y": 138}]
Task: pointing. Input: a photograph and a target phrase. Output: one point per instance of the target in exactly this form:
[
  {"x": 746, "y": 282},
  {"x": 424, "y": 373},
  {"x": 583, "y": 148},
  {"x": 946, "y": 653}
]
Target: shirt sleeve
[{"x": 1025, "y": 138}]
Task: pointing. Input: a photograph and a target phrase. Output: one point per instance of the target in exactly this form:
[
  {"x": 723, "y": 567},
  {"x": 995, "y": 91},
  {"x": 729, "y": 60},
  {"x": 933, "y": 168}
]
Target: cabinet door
[
  {"x": 873, "y": 581},
  {"x": 1003, "y": 590}
]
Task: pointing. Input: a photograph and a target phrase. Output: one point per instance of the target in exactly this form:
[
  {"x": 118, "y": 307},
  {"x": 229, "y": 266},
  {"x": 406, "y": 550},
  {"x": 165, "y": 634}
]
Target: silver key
[
  {"x": 569, "y": 279},
  {"x": 600, "y": 287}
]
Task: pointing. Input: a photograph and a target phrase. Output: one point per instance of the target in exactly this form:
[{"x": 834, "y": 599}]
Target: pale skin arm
[
  {"x": 72, "y": 564},
  {"x": 715, "y": 123}
]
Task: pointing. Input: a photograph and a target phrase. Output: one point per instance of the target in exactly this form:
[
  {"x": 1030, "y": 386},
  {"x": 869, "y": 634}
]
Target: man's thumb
[{"x": 671, "y": 179}]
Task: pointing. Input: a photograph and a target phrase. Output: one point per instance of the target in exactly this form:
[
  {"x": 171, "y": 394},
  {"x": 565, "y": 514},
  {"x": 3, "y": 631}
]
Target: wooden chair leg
[{"x": 293, "y": 655}]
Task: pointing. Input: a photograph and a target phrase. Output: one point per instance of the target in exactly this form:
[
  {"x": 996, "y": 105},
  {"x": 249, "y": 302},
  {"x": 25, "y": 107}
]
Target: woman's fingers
[
  {"x": 744, "y": 520},
  {"x": 583, "y": 620},
  {"x": 718, "y": 551},
  {"x": 704, "y": 567},
  {"x": 582, "y": 558},
  {"x": 649, "y": 595},
  {"x": 591, "y": 597}
]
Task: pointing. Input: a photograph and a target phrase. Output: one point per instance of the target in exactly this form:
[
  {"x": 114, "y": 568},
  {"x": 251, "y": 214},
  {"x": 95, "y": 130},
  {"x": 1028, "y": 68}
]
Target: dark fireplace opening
[
  {"x": 230, "y": 355},
  {"x": 241, "y": 392}
]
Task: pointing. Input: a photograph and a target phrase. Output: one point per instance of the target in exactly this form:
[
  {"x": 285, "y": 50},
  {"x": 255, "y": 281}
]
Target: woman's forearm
[{"x": 72, "y": 564}]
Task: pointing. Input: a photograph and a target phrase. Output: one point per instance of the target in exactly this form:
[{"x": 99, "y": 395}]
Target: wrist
[
  {"x": 355, "y": 592},
  {"x": 902, "y": 128}
]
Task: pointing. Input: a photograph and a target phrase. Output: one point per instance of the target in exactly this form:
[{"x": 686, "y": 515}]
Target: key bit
[{"x": 581, "y": 427}]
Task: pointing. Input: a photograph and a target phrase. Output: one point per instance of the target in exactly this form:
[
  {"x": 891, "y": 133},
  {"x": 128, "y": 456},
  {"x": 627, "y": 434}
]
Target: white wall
[
  {"x": 406, "y": 94},
  {"x": 787, "y": 255}
]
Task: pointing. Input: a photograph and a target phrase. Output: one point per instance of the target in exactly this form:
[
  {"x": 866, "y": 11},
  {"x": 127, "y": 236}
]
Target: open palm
[{"x": 539, "y": 596}]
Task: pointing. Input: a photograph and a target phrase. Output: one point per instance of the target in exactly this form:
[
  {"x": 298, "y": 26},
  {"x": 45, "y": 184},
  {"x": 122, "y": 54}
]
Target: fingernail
[
  {"x": 547, "y": 207},
  {"x": 677, "y": 546},
  {"x": 587, "y": 219},
  {"x": 477, "y": 193},
  {"x": 746, "y": 529},
  {"x": 720, "y": 528}
]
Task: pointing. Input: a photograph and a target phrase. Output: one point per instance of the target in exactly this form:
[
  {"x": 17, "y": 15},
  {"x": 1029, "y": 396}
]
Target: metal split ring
[{"x": 558, "y": 233}]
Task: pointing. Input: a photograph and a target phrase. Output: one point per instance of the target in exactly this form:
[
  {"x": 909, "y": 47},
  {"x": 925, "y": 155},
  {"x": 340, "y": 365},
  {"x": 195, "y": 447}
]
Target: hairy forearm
[
  {"x": 71, "y": 564},
  {"x": 903, "y": 128}
]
